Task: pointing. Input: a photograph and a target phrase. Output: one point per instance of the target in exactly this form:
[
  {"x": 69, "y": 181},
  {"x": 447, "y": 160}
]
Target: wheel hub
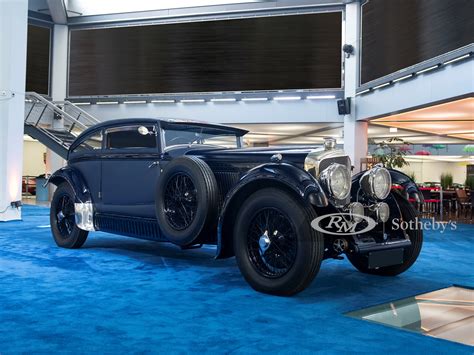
[{"x": 264, "y": 242}]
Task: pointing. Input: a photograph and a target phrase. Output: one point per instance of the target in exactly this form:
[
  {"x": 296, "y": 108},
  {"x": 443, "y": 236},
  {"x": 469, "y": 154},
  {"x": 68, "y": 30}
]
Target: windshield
[{"x": 199, "y": 135}]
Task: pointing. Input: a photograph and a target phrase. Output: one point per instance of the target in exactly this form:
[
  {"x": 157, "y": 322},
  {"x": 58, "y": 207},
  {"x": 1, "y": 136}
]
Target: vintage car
[{"x": 279, "y": 210}]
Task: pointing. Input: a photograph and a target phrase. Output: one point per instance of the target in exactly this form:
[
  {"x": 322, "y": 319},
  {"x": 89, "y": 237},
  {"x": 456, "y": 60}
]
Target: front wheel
[
  {"x": 63, "y": 223},
  {"x": 277, "y": 250},
  {"x": 410, "y": 254}
]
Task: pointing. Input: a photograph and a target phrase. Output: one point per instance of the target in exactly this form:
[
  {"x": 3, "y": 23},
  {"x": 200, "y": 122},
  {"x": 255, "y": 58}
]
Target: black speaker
[{"x": 344, "y": 106}]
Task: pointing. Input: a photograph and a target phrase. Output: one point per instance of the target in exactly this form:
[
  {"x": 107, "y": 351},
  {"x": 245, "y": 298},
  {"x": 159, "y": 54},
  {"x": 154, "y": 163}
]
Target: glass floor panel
[{"x": 447, "y": 314}]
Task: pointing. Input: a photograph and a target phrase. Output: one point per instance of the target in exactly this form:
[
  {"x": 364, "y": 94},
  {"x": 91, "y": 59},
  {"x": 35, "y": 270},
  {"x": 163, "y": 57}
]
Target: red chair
[{"x": 430, "y": 205}]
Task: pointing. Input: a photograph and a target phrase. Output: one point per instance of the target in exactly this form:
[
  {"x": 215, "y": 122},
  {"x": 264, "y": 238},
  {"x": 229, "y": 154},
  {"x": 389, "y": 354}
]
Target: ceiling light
[
  {"x": 381, "y": 86},
  {"x": 393, "y": 129},
  {"x": 427, "y": 69},
  {"x": 81, "y": 103},
  {"x": 163, "y": 101},
  {"x": 457, "y": 59},
  {"x": 255, "y": 99},
  {"x": 320, "y": 97},
  {"x": 107, "y": 102},
  {"x": 403, "y": 78},
  {"x": 287, "y": 98},
  {"x": 135, "y": 102},
  {"x": 192, "y": 101},
  {"x": 228, "y": 99}
]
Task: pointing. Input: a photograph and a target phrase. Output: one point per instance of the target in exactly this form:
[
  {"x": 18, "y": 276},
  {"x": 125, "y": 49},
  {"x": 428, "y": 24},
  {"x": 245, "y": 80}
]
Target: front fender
[
  {"x": 74, "y": 178},
  {"x": 399, "y": 178},
  {"x": 284, "y": 175}
]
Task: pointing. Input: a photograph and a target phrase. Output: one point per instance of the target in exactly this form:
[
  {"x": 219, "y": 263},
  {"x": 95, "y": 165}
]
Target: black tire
[
  {"x": 187, "y": 201},
  {"x": 63, "y": 224},
  {"x": 410, "y": 254},
  {"x": 297, "y": 252}
]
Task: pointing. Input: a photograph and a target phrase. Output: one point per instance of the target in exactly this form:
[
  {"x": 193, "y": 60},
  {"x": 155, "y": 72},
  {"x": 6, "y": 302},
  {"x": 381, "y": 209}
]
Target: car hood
[{"x": 295, "y": 155}]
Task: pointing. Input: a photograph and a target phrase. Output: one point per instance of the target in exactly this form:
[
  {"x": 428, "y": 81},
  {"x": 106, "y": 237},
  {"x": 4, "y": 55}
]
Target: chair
[
  {"x": 462, "y": 201},
  {"x": 430, "y": 202}
]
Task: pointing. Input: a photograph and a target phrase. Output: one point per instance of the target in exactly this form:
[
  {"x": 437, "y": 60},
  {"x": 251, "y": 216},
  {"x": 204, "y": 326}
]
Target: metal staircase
[{"x": 55, "y": 124}]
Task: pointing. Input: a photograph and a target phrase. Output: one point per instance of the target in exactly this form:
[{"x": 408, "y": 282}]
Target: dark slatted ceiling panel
[
  {"x": 268, "y": 53},
  {"x": 399, "y": 33},
  {"x": 37, "y": 61}
]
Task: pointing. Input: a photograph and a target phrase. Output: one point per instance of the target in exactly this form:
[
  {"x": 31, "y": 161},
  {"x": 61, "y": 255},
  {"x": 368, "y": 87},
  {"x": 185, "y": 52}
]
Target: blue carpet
[{"x": 124, "y": 295}]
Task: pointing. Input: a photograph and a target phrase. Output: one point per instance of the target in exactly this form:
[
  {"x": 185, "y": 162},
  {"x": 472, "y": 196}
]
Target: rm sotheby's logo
[{"x": 342, "y": 224}]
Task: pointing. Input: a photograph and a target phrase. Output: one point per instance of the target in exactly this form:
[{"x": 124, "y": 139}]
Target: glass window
[
  {"x": 93, "y": 142},
  {"x": 186, "y": 135},
  {"x": 131, "y": 137}
]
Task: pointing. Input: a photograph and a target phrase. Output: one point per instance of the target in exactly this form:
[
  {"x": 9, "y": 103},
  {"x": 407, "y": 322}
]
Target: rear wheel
[
  {"x": 277, "y": 251},
  {"x": 409, "y": 255},
  {"x": 62, "y": 219}
]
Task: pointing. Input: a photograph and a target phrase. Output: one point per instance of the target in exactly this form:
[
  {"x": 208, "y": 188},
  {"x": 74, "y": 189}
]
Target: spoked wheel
[
  {"x": 410, "y": 254},
  {"x": 180, "y": 201},
  {"x": 63, "y": 223},
  {"x": 65, "y": 219},
  {"x": 187, "y": 201},
  {"x": 277, "y": 250},
  {"x": 272, "y": 243}
]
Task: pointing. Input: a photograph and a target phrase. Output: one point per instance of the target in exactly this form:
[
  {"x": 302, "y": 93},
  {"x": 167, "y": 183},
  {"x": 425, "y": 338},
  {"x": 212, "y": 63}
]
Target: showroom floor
[{"x": 125, "y": 295}]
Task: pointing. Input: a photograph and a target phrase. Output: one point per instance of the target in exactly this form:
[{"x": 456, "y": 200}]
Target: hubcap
[
  {"x": 264, "y": 242},
  {"x": 65, "y": 219}
]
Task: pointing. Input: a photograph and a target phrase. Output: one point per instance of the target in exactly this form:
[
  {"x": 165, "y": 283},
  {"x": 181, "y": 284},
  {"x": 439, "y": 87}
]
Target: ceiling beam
[{"x": 57, "y": 9}]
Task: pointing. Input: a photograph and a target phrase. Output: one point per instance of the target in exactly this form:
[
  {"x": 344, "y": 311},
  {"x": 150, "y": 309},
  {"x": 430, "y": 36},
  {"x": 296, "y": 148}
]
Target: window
[
  {"x": 130, "y": 138},
  {"x": 186, "y": 135},
  {"x": 92, "y": 142}
]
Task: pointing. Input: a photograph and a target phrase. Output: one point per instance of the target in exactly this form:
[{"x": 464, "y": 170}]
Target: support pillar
[
  {"x": 58, "y": 90},
  {"x": 13, "y": 39},
  {"x": 355, "y": 132}
]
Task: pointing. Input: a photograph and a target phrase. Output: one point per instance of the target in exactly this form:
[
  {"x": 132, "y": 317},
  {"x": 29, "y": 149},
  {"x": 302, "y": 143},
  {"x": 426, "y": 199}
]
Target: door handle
[{"x": 155, "y": 163}]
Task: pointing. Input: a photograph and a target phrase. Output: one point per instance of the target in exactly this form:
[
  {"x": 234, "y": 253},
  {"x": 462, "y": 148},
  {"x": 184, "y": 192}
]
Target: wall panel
[
  {"x": 399, "y": 33},
  {"x": 37, "y": 59},
  {"x": 267, "y": 53}
]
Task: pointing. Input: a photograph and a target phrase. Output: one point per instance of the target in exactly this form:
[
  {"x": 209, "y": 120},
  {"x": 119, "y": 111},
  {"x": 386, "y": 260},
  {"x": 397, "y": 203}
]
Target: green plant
[
  {"x": 446, "y": 180},
  {"x": 469, "y": 184},
  {"x": 412, "y": 176},
  {"x": 392, "y": 152}
]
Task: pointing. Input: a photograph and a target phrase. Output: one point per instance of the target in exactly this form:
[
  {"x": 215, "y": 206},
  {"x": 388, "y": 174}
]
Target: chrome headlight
[
  {"x": 382, "y": 211},
  {"x": 376, "y": 182},
  {"x": 336, "y": 179}
]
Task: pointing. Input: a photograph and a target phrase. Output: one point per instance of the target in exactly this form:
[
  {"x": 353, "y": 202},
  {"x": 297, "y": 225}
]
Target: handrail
[
  {"x": 54, "y": 108},
  {"x": 83, "y": 113}
]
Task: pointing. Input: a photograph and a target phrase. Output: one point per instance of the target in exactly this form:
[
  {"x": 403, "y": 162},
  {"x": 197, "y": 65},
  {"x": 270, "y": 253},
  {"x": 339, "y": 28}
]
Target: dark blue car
[{"x": 279, "y": 210}]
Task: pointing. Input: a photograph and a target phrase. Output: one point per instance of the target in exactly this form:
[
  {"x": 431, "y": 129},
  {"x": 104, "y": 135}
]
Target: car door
[
  {"x": 130, "y": 170},
  {"x": 85, "y": 156}
]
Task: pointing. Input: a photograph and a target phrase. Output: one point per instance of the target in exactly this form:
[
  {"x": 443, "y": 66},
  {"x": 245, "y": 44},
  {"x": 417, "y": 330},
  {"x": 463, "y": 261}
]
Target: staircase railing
[{"x": 41, "y": 113}]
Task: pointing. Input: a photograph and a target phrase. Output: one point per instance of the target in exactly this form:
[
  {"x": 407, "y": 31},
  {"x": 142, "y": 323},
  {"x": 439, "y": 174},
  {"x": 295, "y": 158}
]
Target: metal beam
[{"x": 57, "y": 9}]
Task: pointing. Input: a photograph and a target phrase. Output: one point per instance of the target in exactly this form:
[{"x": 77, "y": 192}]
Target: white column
[
  {"x": 355, "y": 132},
  {"x": 58, "y": 89},
  {"x": 13, "y": 36}
]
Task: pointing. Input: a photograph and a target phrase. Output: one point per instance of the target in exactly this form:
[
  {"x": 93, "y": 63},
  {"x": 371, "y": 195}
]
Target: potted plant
[
  {"x": 446, "y": 180},
  {"x": 469, "y": 184},
  {"x": 392, "y": 152}
]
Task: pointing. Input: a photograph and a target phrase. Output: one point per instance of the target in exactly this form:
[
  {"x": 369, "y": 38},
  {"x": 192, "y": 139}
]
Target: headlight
[
  {"x": 382, "y": 212},
  {"x": 337, "y": 181},
  {"x": 376, "y": 182},
  {"x": 356, "y": 210}
]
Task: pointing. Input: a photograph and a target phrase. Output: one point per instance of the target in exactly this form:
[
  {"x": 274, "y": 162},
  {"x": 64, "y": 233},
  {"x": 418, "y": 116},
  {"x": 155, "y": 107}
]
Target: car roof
[{"x": 163, "y": 121}]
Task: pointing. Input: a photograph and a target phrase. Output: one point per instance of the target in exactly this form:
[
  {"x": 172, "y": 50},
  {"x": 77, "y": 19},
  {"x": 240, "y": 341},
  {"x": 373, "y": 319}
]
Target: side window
[
  {"x": 130, "y": 137},
  {"x": 92, "y": 142}
]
